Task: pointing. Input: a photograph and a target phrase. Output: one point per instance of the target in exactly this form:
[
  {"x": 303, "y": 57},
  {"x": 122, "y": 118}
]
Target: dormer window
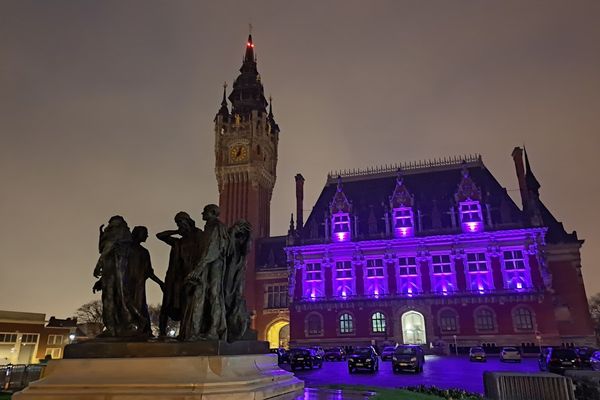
[
  {"x": 340, "y": 227},
  {"x": 403, "y": 222},
  {"x": 470, "y": 216}
]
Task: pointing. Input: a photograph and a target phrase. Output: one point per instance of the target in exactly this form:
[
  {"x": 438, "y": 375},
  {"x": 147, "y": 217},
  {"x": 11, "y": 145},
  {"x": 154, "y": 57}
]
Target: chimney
[
  {"x": 299, "y": 201},
  {"x": 517, "y": 155}
]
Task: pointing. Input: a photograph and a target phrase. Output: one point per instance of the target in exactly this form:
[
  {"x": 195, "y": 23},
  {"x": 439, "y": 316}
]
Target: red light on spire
[{"x": 250, "y": 44}]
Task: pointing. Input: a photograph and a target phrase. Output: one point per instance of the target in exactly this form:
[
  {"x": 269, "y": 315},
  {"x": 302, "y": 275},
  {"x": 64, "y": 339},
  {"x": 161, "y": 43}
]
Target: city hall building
[{"x": 434, "y": 253}]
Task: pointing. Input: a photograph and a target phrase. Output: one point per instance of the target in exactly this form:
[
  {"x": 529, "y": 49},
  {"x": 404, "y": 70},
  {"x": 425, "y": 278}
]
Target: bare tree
[
  {"x": 594, "y": 304},
  {"x": 89, "y": 318},
  {"x": 172, "y": 326}
]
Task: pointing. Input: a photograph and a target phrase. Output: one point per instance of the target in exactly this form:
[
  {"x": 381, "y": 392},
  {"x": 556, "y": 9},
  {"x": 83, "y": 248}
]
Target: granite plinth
[
  {"x": 156, "y": 348},
  {"x": 222, "y": 377}
]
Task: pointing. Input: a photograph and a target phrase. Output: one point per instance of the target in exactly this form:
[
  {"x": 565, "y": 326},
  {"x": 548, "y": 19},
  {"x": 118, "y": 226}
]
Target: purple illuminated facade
[{"x": 433, "y": 254}]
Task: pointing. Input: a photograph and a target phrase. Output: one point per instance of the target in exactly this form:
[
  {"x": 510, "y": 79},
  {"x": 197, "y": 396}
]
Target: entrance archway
[
  {"x": 278, "y": 334},
  {"x": 413, "y": 328}
]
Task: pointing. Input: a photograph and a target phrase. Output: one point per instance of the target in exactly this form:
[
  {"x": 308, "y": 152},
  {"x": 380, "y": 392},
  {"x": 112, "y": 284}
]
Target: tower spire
[
  {"x": 532, "y": 182},
  {"x": 248, "y": 92},
  {"x": 224, "y": 110}
]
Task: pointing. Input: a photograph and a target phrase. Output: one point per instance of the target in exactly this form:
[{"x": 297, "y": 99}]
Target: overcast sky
[{"x": 107, "y": 107}]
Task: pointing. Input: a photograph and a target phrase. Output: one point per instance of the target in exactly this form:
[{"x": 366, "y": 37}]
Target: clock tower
[{"x": 246, "y": 150}]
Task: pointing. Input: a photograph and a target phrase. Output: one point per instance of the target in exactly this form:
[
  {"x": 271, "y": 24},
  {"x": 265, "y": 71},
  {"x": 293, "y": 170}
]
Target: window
[
  {"x": 53, "y": 352},
  {"x": 55, "y": 339},
  {"x": 470, "y": 216},
  {"x": 478, "y": 276},
  {"x": 409, "y": 276},
  {"x": 378, "y": 322},
  {"x": 484, "y": 320},
  {"x": 313, "y": 272},
  {"x": 8, "y": 337},
  {"x": 403, "y": 217},
  {"x": 522, "y": 319},
  {"x": 448, "y": 321},
  {"x": 340, "y": 228},
  {"x": 374, "y": 268},
  {"x": 441, "y": 264},
  {"x": 277, "y": 296},
  {"x": 314, "y": 325},
  {"x": 516, "y": 275},
  {"x": 343, "y": 270},
  {"x": 29, "y": 338},
  {"x": 346, "y": 323}
]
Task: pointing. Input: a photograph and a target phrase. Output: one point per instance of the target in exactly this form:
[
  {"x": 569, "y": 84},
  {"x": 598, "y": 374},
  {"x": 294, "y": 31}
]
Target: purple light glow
[
  {"x": 404, "y": 232},
  {"x": 472, "y": 227},
  {"x": 410, "y": 291},
  {"x": 481, "y": 288},
  {"x": 341, "y": 237},
  {"x": 519, "y": 285}
]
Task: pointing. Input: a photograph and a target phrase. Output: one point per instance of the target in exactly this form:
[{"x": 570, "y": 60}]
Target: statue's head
[
  {"x": 117, "y": 220},
  {"x": 139, "y": 234},
  {"x": 184, "y": 222},
  {"x": 210, "y": 212}
]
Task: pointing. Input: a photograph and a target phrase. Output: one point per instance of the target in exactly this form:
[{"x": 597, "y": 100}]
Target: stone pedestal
[{"x": 179, "y": 377}]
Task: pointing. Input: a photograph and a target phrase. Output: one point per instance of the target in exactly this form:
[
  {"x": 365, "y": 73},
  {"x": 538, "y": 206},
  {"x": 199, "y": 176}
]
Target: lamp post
[{"x": 455, "y": 345}]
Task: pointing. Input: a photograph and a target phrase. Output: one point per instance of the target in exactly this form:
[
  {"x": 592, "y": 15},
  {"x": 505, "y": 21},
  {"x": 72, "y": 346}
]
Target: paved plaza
[{"x": 444, "y": 372}]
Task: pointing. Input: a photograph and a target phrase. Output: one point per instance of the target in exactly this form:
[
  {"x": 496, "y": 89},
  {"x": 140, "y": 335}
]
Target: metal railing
[
  {"x": 527, "y": 386},
  {"x": 18, "y": 376}
]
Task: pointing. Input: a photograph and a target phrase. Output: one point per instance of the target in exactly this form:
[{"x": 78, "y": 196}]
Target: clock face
[{"x": 238, "y": 153}]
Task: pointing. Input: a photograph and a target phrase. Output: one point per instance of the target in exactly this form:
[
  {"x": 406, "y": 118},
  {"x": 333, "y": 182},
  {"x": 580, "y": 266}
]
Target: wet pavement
[{"x": 444, "y": 372}]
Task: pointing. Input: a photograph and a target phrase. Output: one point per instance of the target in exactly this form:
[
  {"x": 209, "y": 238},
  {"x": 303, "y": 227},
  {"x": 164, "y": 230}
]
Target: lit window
[
  {"x": 478, "y": 275},
  {"x": 340, "y": 227},
  {"x": 409, "y": 277},
  {"x": 443, "y": 276},
  {"x": 523, "y": 319},
  {"x": 277, "y": 296},
  {"x": 313, "y": 272},
  {"x": 375, "y": 268},
  {"x": 314, "y": 325},
  {"x": 448, "y": 321},
  {"x": 470, "y": 216},
  {"x": 378, "y": 322},
  {"x": 346, "y": 323},
  {"x": 484, "y": 320},
  {"x": 343, "y": 270},
  {"x": 403, "y": 222},
  {"x": 516, "y": 274},
  {"x": 53, "y": 352},
  {"x": 441, "y": 264}
]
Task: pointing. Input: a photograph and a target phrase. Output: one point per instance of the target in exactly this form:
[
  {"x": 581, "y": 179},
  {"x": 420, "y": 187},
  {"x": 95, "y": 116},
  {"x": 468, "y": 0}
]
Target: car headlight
[
  {"x": 394, "y": 358},
  {"x": 368, "y": 361},
  {"x": 413, "y": 359},
  {"x": 351, "y": 360}
]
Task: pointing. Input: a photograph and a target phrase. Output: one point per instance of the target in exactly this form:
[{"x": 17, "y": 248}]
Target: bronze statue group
[{"x": 203, "y": 287}]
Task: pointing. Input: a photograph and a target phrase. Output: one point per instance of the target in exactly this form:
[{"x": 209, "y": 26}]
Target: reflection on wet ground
[{"x": 330, "y": 394}]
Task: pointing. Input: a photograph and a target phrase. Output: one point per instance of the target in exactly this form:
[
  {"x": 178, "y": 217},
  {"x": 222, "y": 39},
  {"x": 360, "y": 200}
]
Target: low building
[
  {"x": 27, "y": 338},
  {"x": 436, "y": 253}
]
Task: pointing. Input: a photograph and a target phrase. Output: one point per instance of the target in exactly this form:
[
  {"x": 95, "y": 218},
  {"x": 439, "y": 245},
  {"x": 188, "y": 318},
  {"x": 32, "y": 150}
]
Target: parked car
[
  {"x": 408, "y": 357},
  {"x": 387, "y": 353},
  {"x": 595, "y": 361},
  {"x": 558, "y": 359},
  {"x": 335, "y": 353},
  {"x": 477, "y": 354},
  {"x": 363, "y": 358},
  {"x": 510, "y": 354},
  {"x": 305, "y": 358},
  {"x": 282, "y": 355},
  {"x": 319, "y": 350},
  {"x": 584, "y": 354}
]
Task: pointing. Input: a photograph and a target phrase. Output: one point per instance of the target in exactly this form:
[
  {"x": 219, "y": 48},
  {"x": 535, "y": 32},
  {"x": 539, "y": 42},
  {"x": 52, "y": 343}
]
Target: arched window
[
  {"x": 346, "y": 323},
  {"x": 378, "y": 322},
  {"x": 523, "y": 319},
  {"x": 484, "y": 320},
  {"x": 314, "y": 325},
  {"x": 448, "y": 321}
]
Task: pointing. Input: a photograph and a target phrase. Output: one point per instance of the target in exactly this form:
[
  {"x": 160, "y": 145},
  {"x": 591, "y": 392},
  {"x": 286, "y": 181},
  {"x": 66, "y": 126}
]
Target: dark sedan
[
  {"x": 408, "y": 357},
  {"x": 585, "y": 354},
  {"x": 305, "y": 358},
  {"x": 558, "y": 359},
  {"x": 335, "y": 354},
  {"x": 387, "y": 353},
  {"x": 363, "y": 358}
]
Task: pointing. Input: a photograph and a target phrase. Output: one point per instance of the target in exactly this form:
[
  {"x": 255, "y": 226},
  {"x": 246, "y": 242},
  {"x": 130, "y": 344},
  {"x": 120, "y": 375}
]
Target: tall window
[
  {"x": 522, "y": 319},
  {"x": 443, "y": 275},
  {"x": 403, "y": 222},
  {"x": 29, "y": 338},
  {"x": 55, "y": 339},
  {"x": 277, "y": 296},
  {"x": 478, "y": 275},
  {"x": 408, "y": 276},
  {"x": 314, "y": 325},
  {"x": 344, "y": 282},
  {"x": 448, "y": 321},
  {"x": 374, "y": 277},
  {"x": 340, "y": 227},
  {"x": 484, "y": 320},
  {"x": 470, "y": 216},
  {"x": 313, "y": 278},
  {"x": 516, "y": 275},
  {"x": 378, "y": 322},
  {"x": 346, "y": 323}
]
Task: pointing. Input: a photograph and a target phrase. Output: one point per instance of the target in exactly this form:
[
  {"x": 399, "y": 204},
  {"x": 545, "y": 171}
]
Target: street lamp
[
  {"x": 71, "y": 337},
  {"x": 455, "y": 345}
]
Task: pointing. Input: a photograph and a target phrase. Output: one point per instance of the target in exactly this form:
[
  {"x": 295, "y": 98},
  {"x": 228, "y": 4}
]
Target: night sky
[{"x": 106, "y": 107}]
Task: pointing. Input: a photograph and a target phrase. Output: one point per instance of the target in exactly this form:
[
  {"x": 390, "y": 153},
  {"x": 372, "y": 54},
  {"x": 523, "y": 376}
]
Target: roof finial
[
  {"x": 224, "y": 102},
  {"x": 339, "y": 183},
  {"x": 270, "y": 106}
]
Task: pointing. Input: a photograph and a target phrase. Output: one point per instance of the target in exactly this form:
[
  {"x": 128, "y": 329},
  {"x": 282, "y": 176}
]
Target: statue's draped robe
[
  {"x": 139, "y": 269},
  {"x": 184, "y": 256},
  {"x": 205, "y": 311}
]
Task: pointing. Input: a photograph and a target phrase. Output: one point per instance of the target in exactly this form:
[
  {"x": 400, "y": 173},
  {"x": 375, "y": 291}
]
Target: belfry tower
[
  {"x": 246, "y": 158},
  {"x": 246, "y": 150}
]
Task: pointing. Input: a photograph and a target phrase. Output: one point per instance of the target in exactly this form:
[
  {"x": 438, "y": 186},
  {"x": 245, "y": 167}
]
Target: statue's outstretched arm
[{"x": 167, "y": 236}]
